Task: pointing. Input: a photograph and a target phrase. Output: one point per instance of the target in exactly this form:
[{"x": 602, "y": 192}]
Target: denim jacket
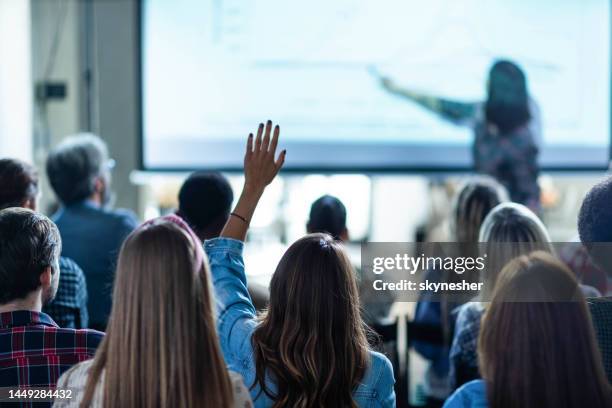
[{"x": 236, "y": 322}]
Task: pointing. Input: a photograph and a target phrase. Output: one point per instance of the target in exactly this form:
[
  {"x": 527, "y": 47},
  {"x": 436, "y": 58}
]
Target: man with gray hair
[{"x": 79, "y": 172}]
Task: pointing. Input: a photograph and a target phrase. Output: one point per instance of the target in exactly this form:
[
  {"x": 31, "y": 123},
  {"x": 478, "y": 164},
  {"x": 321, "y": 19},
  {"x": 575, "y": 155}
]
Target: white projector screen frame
[{"x": 225, "y": 153}]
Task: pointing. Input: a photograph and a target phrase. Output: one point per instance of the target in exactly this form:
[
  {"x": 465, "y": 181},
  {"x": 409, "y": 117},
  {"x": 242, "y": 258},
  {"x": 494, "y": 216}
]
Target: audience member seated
[
  {"x": 79, "y": 172},
  {"x": 537, "y": 346},
  {"x": 205, "y": 201},
  {"x": 34, "y": 351},
  {"x": 510, "y": 230},
  {"x": 476, "y": 198},
  {"x": 328, "y": 215},
  {"x": 576, "y": 256},
  {"x": 161, "y": 347},
  {"x": 19, "y": 183},
  {"x": 595, "y": 230},
  {"x": 309, "y": 348}
]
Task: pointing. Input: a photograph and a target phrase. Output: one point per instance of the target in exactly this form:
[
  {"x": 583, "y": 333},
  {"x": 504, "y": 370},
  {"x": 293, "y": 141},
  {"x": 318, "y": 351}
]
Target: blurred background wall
[{"x": 91, "y": 47}]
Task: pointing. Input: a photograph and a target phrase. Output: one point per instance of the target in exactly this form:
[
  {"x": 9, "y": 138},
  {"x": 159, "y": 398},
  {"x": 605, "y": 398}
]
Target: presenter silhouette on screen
[{"x": 507, "y": 129}]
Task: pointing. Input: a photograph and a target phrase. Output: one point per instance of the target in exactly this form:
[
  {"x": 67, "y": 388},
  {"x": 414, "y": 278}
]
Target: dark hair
[
  {"x": 476, "y": 198},
  {"x": 595, "y": 223},
  {"x": 74, "y": 165},
  {"x": 29, "y": 243},
  {"x": 205, "y": 201},
  {"x": 19, "y": 182},
  {"x": 311, "y": 340},
  {"x": 328, "y": 215},
  {"x": 507, "y": 105},
  {"x": 537, "y": 344}
]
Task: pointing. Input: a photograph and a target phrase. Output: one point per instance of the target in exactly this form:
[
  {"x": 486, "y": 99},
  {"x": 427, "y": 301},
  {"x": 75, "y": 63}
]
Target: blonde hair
[
  {"x": 510, "y": 230},
  {"x": 161, "y": 348}
]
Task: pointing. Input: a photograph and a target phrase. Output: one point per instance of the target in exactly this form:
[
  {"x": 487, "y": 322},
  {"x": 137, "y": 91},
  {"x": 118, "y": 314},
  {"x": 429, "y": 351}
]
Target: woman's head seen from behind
[
  {"x": 507, "y": 105},
  {"x": 311, "y": 339},
  {"x": 161, "y": 333},
  {"x": 510, "y": 230},
  {"x": 537, "y": 343},
  {"x": 476, "y": 198}
]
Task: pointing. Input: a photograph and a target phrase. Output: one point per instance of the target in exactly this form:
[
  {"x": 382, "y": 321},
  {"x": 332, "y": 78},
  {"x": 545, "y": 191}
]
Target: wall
[
  {"x": 96, "y": 56},
  {"x": 116, "y": 85}
]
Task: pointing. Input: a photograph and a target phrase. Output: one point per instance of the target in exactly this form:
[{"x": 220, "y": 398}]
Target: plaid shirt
[
  {"x": 464, "y": 350},
  {"x": 601, "y": 313},
  {"x": 69, "y": 308},
  {"x": 34, "y": 351}
]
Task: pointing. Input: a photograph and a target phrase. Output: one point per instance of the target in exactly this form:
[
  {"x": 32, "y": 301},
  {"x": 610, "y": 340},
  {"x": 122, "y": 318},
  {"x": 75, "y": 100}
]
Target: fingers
[
  {"x": 280, "y": 160},
  {"x": 249, "y": 147},
  {"x": 266, "y": 143},
  {"x": 258, "y": 139},
  {"x": 274, "y": 142},
  {"x": 266, "y": 140}
]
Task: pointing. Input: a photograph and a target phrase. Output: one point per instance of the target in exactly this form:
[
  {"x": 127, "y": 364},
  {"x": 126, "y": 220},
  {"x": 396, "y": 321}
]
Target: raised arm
[
  {"x": 235, "y": 310},
  {"x": 461, "y": 113},
  {"x": 260, "y": 168}
]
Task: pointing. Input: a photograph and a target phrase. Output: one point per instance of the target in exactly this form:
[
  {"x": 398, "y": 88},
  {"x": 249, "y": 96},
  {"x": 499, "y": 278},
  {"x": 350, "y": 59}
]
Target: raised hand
[
  {"x": 260, "y": 162},
  {"x": 260, "y": 167}
]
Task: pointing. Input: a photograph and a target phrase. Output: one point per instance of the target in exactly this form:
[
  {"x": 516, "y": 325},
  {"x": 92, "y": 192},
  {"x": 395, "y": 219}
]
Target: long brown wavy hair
[
  {"x": 311, "y": 341},
  {"x": 537, "y": 344},
  {"x": 161, "y": 347}
]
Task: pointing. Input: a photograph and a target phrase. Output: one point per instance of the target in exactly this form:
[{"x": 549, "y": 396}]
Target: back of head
[
  {"x": 311, "y": 339},
  {"x": 161, "y": 340},
  {"x": 74, "y": 165},
  {"x": 19, "y": 182},
  {"x": 29, "y": 243},
  {"x": 595, "y": 224},
  {"x": 205, "y": 200},
  {"x": 476, "y": 198},
  {"x": 510, "y": 230},
  {"x": 507, "y": 105},
  {"x": 537, "y": 345},
  {"x": 327, "y": 215}
]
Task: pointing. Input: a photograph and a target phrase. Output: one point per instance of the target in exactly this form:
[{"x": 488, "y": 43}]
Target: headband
[{"x": 176, "y": 220}]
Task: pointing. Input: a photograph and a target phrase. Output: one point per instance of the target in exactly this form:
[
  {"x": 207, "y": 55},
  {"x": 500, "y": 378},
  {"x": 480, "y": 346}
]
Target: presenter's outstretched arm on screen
[
  {"x": 461, "y": 113},
  {"x": 261, "y": 165}
]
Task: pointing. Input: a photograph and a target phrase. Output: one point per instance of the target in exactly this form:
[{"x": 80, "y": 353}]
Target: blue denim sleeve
[
  {"x": 385, "y": 386},
  {"x": 456, "y": 400},
  {"x": 470, "y": 395},
  {"x": 235, "y": 311}
]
